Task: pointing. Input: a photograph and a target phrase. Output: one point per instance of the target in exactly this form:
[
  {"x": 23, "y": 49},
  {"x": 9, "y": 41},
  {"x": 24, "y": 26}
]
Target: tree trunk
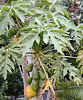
[
  {"x": 25, "y": 75},
  {"x": 39, "y": 95},
  {"x": 29, "y": 58}
]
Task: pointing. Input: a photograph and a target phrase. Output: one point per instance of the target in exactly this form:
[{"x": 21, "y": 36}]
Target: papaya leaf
[
  {"x": 8, "y": 57},
  {"x": 80, "y": 60},
  {"x": 61, "y": 10},
  {"x": 72, "y": 92},
  {"x": 5, "y": 18},
  {"x": 45, "y": 38},
  {"x": 31, "y": 37},
  {"x": 51, "y": 32},
  {"x": 35, "y": 46},
  {"x": 20, "y": 8}
]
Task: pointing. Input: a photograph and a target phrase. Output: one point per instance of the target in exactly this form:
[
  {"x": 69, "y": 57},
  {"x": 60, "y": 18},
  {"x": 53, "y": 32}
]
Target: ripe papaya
[
  {"x": 34, "y": 85},
  {"x": 40, "y": 83},
  {"x": 42, "y": 75},
  {"x": 30, "y": 92},
  {"x": 29, "y": 67},
  {"x": 16, "y": 38},
  {"x": 29, "y": 80},
  {"x": 35, "y": 75}
]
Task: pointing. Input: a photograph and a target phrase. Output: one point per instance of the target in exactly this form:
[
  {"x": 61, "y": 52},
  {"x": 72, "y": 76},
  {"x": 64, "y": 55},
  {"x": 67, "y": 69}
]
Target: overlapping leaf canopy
[
  {"x": 47, "y": 24},
  {"x": 8, "y": 12}
]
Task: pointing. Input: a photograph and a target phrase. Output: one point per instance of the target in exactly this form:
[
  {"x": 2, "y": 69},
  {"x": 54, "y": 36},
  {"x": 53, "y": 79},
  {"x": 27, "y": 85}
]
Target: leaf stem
[
  {"x": 49, "y": 50},
  {"x": 48, "y": 58},
  {"x": 42, "y": 67},
  {"x": 58, "y": 56},
  {"x": 67, "y": 56},
  {"x": 18, "y": 21}
]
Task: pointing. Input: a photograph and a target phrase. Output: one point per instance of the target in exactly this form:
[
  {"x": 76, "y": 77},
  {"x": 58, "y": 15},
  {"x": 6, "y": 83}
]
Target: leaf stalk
[{"x": 42, "y": 66}]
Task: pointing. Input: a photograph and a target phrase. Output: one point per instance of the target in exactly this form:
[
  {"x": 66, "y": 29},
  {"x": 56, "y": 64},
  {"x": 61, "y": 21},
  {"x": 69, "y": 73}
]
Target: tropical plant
[
  {"x": 80, "y": 60},
  {"x": 2, "y": 89},
  {"x": 70, "y": 92},
  {"x": 39, "y": 24}
]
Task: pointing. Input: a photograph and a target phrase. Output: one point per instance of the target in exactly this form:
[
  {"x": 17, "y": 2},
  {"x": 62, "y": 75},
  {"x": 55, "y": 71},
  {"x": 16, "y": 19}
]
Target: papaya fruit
[
  {"x": 29, "y": 80},
  {"x": 34, "y": 85},
  {"x": 35, "y": 75},
  {"x": 29, "y": 67},
  {"x": 40, "y": 83},
  {"x": 30, "y": 92},
  {"x": 42, "y": 75},
  {"x": 16, "y": 38}
]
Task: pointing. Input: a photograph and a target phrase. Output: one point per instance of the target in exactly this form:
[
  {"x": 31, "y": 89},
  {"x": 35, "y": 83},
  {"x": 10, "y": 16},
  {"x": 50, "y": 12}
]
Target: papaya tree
[{"x": 46, "y": 28}]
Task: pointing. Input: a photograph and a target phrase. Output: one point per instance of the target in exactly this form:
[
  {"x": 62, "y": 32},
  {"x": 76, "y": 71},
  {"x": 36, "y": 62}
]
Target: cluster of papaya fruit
[{"x": 36, "y": 80}]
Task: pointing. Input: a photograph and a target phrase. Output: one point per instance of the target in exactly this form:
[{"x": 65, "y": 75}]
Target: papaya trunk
[
  {"x": 25, "y": 75},
  {"x": 39, "y": 95},
  {"x": 30, "y": 59}
]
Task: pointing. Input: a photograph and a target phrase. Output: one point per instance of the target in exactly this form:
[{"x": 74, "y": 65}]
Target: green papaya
[
  {"x": 29, "y": 80},
  {"x": 34, "y": 85},
  {"x": 42, "y": 75},
  {"x": 40, "y": 83},
  {"x": 29, "y": 67},
  {"x": 35, "y": 75}
]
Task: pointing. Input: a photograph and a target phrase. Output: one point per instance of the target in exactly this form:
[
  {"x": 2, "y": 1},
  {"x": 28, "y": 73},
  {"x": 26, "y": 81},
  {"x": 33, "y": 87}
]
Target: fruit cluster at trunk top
[{"x": 37, "y": 78}]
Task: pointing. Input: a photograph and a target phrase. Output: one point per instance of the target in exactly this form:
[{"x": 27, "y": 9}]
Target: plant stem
[
  {"x": 42, "y": 67},
  {"x": 49, "y": 50},
  {"x": 18, "y": 21},
  {"x": 67, "y": 56},
  {"x": 59, "y": 56},
  {"x": 48, "y": 58}
]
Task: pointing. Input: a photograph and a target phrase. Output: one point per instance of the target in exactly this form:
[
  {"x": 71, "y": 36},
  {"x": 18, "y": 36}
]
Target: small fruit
[
  {"x": 35, "y": 75},
  {"x": 29, "y": 68},
  {"x": 29, "y": 80},
  {"x": 34, "y": 85},
  {"x": 42, "y": 75},
  {"x": 16, "y": 38},
  {"x": 30, "y": 92},
  {"x": 40, "y": 83}
]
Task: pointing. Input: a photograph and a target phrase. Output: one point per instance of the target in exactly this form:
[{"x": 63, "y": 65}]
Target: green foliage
[
  {"x": 70, "y": 93},
  {"x": 60, "y": 68},
  {"x": 39, "y": 26},
  {"x": 80, "y": 60},
  {"x": 3, "y": 87},
  {"x": 15, "y": 83},
  {"x": 8, "y": 57},
  {"x": 5, "y": 18},
  {"x": 54, "y": 27},
  {"x": 3, "y": 40},
  {"x": 18, "y": 8},
  {"x": 23, "y": 98}
]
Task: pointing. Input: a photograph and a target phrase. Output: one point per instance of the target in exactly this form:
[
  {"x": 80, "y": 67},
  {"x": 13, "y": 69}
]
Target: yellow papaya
[{"x": 30, "y": 92}]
